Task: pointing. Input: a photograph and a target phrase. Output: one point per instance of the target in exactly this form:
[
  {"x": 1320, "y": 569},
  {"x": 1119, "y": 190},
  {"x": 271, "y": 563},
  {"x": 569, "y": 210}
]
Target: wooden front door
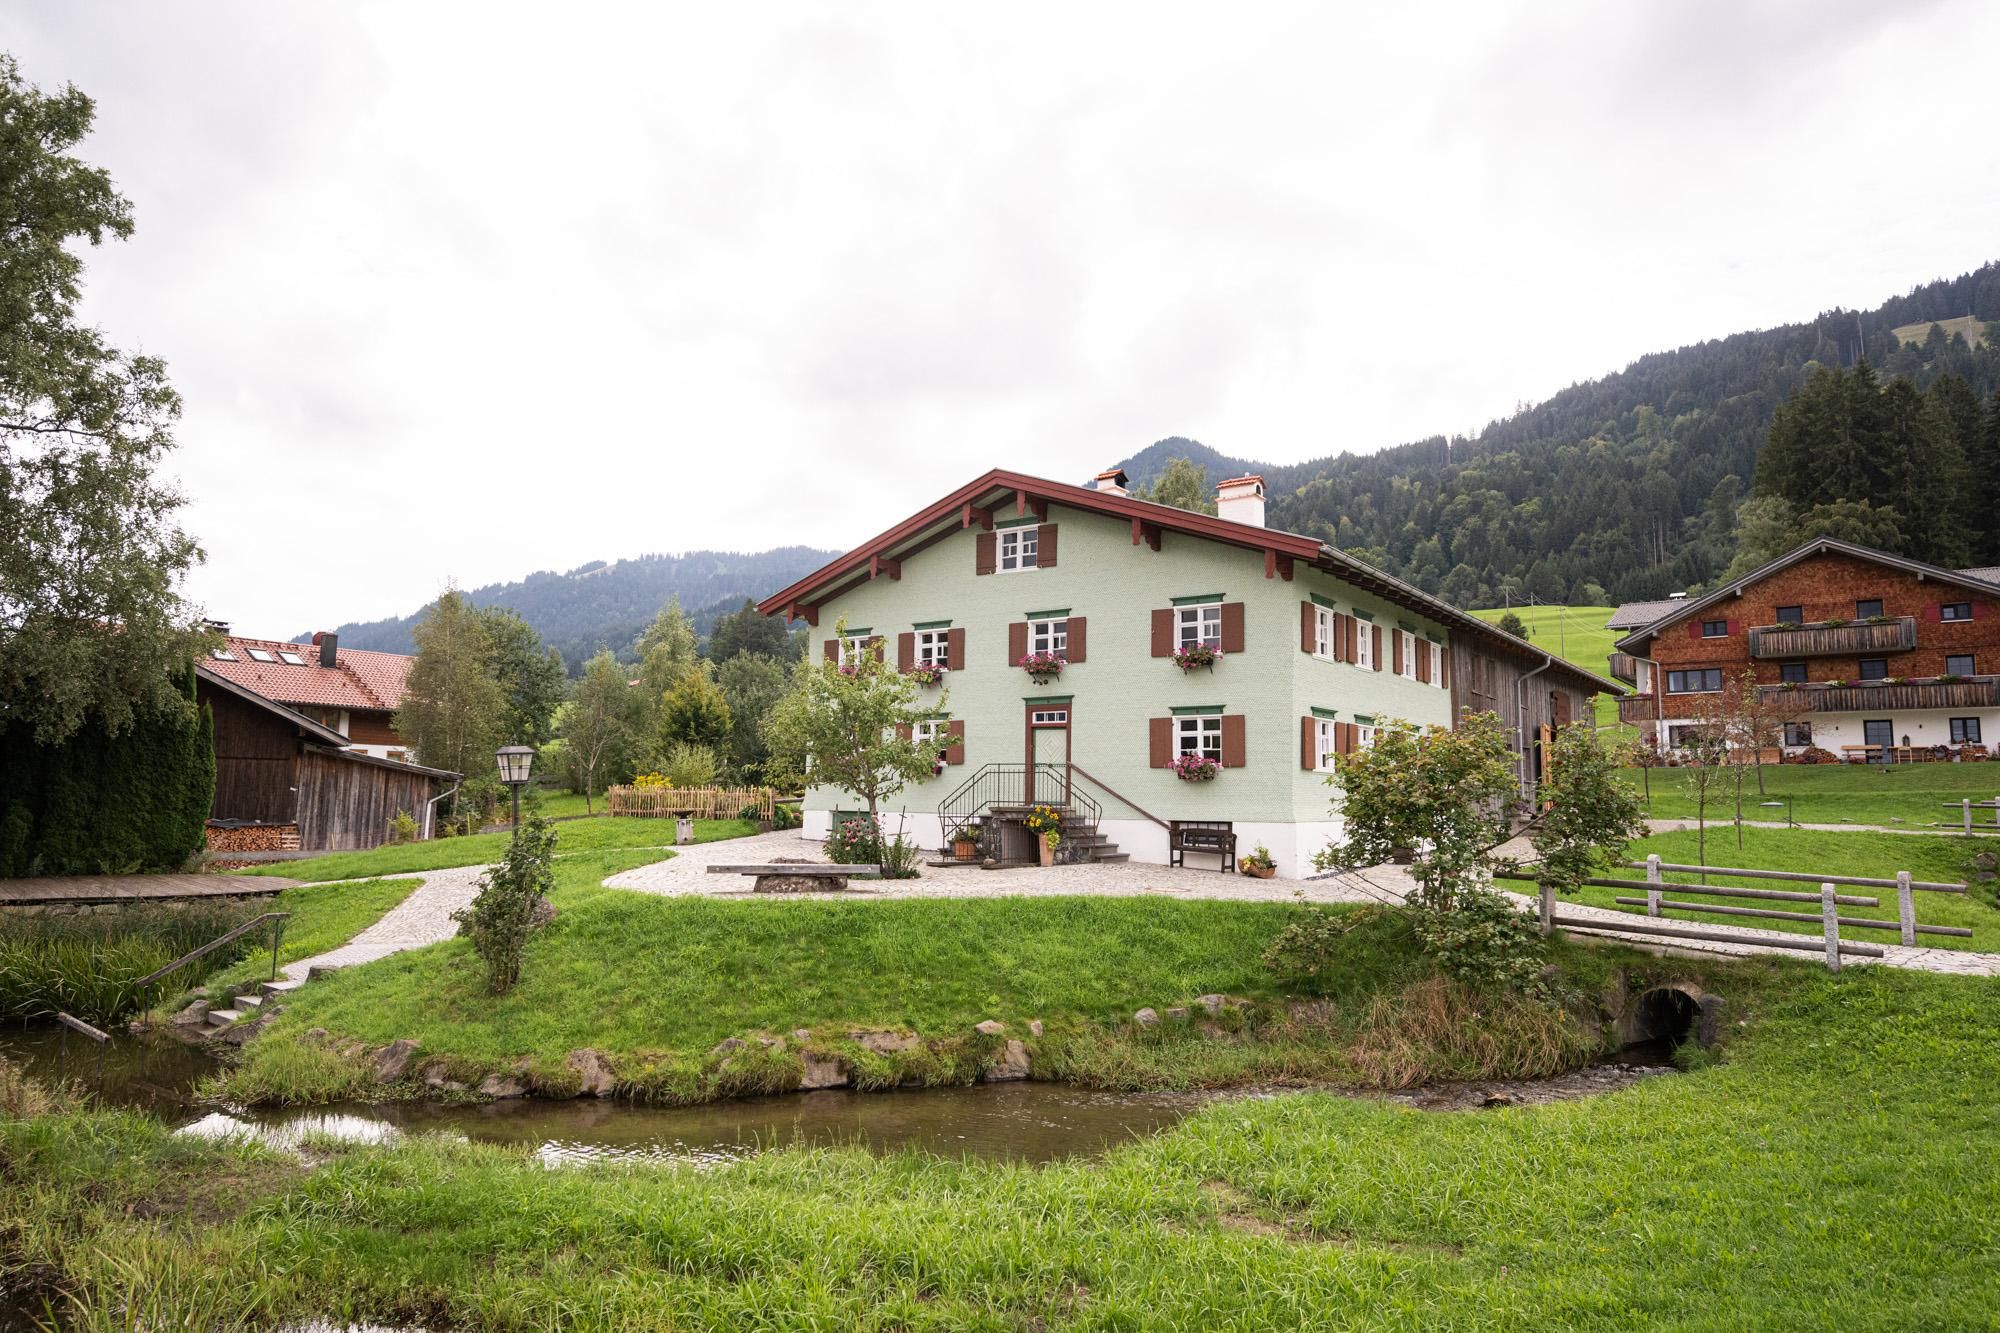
[{"x": 1048, "y": 748}]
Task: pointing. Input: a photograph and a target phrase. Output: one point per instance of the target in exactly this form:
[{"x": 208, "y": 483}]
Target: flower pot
[
  {"x": 1260, "y": 872},
  {"x": 964, "y": 851},
  {"x": 1048, "y": 853}
]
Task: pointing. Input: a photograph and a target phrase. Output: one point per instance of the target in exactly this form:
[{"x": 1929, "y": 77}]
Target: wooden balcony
[
  {"x": 1634, "y": 709},
  {"x": 1897, "y": 635},
  {"x": 1625, "y": 667},
  {"x": 1973, "y": 692}
]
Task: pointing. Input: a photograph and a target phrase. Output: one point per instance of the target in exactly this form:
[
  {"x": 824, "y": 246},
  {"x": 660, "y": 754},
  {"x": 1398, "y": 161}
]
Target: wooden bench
[
  {"x": 1213, "y": 837},
  {"x": 827, "y": 878}
]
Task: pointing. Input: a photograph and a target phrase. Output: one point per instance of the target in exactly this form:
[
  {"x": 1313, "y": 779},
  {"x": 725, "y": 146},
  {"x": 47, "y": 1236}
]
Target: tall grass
[{"x": 89, "y": 965}]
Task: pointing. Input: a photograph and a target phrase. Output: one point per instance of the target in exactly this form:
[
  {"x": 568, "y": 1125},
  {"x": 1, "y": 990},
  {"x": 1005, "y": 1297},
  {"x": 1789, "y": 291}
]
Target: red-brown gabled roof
[
  {"x": 1001, "y": 492},
  {"x": 360, "y": 679}
]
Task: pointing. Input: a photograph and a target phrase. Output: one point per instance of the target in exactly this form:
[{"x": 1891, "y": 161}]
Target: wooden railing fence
[
  {"x": 1828, "y": 899},
  {"x": 693, "y": 802}
]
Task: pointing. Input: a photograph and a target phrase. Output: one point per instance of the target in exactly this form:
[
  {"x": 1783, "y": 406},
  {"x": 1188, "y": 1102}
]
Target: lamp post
[{"x": 515, "y": 761}]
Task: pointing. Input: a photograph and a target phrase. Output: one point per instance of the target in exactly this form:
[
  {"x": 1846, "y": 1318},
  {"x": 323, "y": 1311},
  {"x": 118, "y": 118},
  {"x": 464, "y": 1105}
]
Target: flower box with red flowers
[{"x": 1042, "y": 666}]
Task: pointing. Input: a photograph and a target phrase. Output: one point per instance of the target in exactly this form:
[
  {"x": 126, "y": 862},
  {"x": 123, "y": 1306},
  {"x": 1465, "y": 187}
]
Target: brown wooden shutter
[
  {"x": 1934, "y": 613},
  {"x": 833, "y": 650},
  {"x": 1694, "y": 629},
  {"x": 1396, "y": 652},
  {"x": 1017, "y": 642},
  {"x": 874, "y": 643},
  {"x": 1163, "y": 633},
  {"x": 1735, "y": 626},
  {"x": 954, "y": 648},
  {"x": 906, "y": 651},
  {"x": 1343, "y": 738},
  {"x": 1308, "y": 744},
  {"x": 1045, "y": 546},
  {"x": 985, "y": 552},
  {"x": 1444, "y": 665},
  {"x": 1078, "y": 625},
  {"x": 1375, "y": 644},
  {"x": 1160, "y": 732},
  {"x": 902, "y": 731},
  {"x": 1232, "y": 740},
  {"x": 1344, "y": 635},
  {"x": 1424, "y": 660},
  {"x": 1232, "y": 627},
  {"x": 1308, "y": 627},
  {"x": 954, "y": 750}
]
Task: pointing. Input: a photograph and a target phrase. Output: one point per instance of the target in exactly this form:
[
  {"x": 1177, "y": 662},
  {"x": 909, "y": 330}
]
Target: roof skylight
[
  {"x": 222, "y": 654},
  {"x": 293, "y": 658},
  {"x": 261, "y": 655}
]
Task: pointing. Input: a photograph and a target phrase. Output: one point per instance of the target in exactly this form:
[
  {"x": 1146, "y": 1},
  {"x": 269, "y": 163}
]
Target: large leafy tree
[
  {"x": 751, "y": 685},
  {"x": 600, "y": 726},
  {"x": 454, "y": 709},
  {"x": 1184, "y": 485},
  {"x": 668, "y": 647},
  {"x": 849, "y": 727},
  {"x": 530, "y": 673},
  {"x": 92, "y": 622},
  {"x": 693, "y": 712},
  {"x": 745, "y": 630},
  {"x": 1591, "y": 811}
]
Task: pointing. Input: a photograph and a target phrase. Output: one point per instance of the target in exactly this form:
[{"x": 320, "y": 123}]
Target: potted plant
[
  {"x": 1045, "y": 822},
  {"x": 1043, "y": 667},
  {"x": 1050, "y": 841},
  {"x": 928, "y": 673},
  {"x": 965, "y": 843},
  {"x": 1191, "y": 767},
  {"x": 1258, "y": 865},
  {"x": 1191, "y": 655}
]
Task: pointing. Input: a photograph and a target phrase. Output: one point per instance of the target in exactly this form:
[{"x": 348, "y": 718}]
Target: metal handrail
[
  {"x": 277, "y": 934},
  {"x": 1127, "y": 801},
  {"x": 1007, "y": 784}
]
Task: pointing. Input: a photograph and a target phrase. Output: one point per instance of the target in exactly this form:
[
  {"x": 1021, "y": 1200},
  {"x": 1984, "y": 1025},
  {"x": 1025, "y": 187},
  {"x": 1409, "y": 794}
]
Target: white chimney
[
  {"x": 1241, "y": 500},
  {"x": 1111, "y": 483}
]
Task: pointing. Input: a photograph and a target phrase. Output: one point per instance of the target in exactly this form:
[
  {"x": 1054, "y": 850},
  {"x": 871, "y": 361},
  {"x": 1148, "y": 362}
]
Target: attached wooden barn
[{"x": 282, "y": 779}]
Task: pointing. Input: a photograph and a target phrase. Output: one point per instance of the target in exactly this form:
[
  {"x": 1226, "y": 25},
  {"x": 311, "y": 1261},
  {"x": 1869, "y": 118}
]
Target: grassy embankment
[
  {"x": 324, "y": 916},
  {"x": 1860, "y": 854},
  {"x": 1913, "y": 795},
  {"x": 1839, "y": 1168},
  {"x": 1575, "y": 634}
]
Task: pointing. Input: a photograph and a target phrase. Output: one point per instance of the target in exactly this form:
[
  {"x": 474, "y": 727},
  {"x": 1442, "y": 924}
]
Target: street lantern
[{"x": 515, "y": 762}]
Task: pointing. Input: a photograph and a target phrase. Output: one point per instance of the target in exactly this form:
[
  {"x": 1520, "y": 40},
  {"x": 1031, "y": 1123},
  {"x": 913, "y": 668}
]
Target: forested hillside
[
  {"x": 601, "y": 605},
  {"x": 1622, "y": 488}
]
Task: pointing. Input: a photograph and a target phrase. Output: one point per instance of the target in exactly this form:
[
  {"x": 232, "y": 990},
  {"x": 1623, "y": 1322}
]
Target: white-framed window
[
  {"x": 1364, "y": 646},
  {"x": 851, "y": 648},
  {"x": 1682, "y": 736},
  {"x": 1199, "y": 735},
  {"x": 931, "y": 731},
  {"x": 1198, "y": 625},
  {"x": 1049, "y": 636},
  {"x": 1049, "y": 717},
  {"x": 1324, "y": 743},
  {"x": 933, "y": 647},
  {"x": 1364, "y": 735},
  {"x": 1437, "y": 665},
  {"x": 1018, "y": 549},
  {"x": 1409, "y": 640},
  {"x": 1323, "y": 644}
]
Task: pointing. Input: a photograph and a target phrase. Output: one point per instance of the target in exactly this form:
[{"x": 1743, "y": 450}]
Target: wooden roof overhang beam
[
  {"x": 1146, "y": 533},
  {"x": 1277, "y": 565},
  {"x": 881, "y": 566}
]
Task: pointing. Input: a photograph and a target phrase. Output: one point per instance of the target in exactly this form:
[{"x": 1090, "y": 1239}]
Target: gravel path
[
  {"x": 687, "y": 875},
  {"x": 420, "y": 919}
]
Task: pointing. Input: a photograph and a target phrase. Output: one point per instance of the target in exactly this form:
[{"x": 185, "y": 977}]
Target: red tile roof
[{"x": 360, "y": 679}]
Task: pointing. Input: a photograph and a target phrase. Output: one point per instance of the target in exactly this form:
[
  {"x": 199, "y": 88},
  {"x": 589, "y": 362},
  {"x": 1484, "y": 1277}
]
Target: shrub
[
  {"x": 784, "y": 816},
  {"x": 899, "y": 858},
  {"x": 1484, "y": 941},
  {"x": 854, "y": 842},
  {"x": 1308, "y": 948},
  {"x": 690, "y": 765},
  {"x": 500, "y": 918},
  {"x": 402, "y": 828}
]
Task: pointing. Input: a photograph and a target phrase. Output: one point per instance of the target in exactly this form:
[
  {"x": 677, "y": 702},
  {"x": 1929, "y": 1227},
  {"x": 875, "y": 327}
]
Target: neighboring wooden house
[
  {"x": 1869, "y": 655},
  {"x": 1318, "y": 649},
  {"x": 355, "y": 692},
  {"x": 283, "y": 779}
]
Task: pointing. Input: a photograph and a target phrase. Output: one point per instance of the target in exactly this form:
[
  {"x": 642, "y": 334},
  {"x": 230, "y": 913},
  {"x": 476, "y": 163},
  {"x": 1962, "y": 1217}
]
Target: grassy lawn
[
  {"x": 1886, "y": 794},
  {"x": 1575, "y": 634},
  {"x": 1840, "y": 1168},
  {"x": 1971, "y": 326},
  {"x": 592, "y": 835},
  {"x": 1860, "y": 854},
  {"x": 324, "y": 916}
]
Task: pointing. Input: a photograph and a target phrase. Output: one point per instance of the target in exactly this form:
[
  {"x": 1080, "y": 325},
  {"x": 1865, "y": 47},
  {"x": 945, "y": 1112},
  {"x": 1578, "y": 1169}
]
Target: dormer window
[
  {"x": 262, "y": 655},
  {"x": 1018, "y": 549}
]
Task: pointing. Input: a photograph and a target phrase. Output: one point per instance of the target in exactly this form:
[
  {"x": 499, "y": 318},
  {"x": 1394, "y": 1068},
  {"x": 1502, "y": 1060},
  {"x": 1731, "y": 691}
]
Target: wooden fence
[
  {"x": 696, "y": 802},
  {"x": 1827, "y": 899}
]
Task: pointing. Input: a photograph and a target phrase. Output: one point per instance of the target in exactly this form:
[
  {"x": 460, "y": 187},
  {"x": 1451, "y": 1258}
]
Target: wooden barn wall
[
  {"x": 1483, "y": 682},
  {"x": 256, "y": 756},
  {"x": 364, "y": 728},
  {"x": 347, "y": 806}
]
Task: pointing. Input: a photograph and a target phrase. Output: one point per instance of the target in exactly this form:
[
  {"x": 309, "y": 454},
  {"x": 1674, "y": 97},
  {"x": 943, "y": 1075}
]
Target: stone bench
[{"x": 798, "y": 876}]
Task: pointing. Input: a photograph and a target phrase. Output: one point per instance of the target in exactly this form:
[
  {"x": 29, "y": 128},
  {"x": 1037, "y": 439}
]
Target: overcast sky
[{"x": 464, "y": 291}]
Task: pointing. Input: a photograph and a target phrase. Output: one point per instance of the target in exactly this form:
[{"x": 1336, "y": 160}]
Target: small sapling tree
[
  {"x": 512, "y": 896},
  {"x": 1590, "y": 811},
  {"x": 1442, "y": 793},
  {"x": 848, "y": 725}
]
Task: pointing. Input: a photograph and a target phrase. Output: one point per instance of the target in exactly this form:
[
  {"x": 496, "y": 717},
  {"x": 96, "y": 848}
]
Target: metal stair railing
[
  {"x": 1008, "y": 784},
  {"x": 277, "y": 920}
]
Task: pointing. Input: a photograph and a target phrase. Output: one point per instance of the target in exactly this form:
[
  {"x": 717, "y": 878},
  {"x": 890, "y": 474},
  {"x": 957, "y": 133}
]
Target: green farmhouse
[{"x": 1179, "y": 684}]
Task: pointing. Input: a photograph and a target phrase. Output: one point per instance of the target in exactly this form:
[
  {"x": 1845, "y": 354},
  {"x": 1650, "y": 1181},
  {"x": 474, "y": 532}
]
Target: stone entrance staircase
[
  {"x": 250, "y": 1001},
  {"x": 1078, "y": 828}
]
